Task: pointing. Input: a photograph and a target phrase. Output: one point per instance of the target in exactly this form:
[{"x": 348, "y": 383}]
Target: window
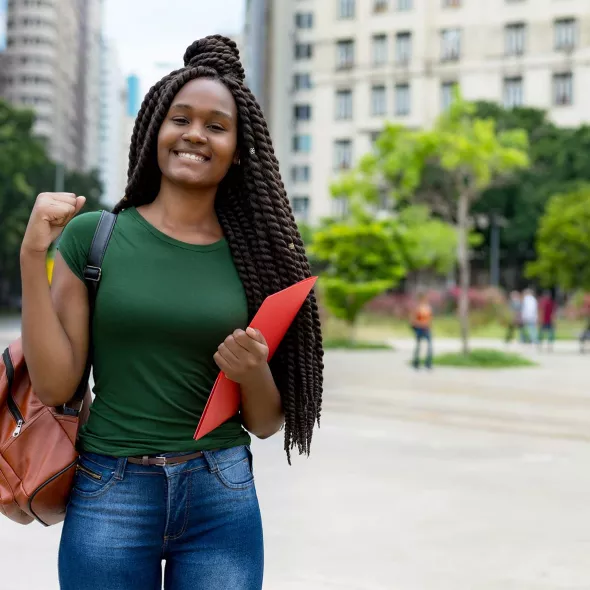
[
  {"x": 301, "y": 173},
  {"x": 302, "y": 144},
  {"x": 304, "y": 20},
  {"x": 345, "y": 8},
  {"x": 563, "y": 89},
  {"x": 379, "y": 50},
  {"x": 447, "y": 91},
  {"x": 301, "y": 207},
  {"x": 402, "y": 100},
  {"x": 514, "y": 39},
  {"x": 565, "y": 34},
  {"x": 339, "y": 207},
  {"x": 302, "y": 81},
  {"x": 302, "y": 112},
  {"x": 343, "y": 104},
  {"x": 345, "y": 54},
  {"x": 451, "y": 3},
  {"x": 380, "y": 5},
  {"x": 450, "y": 44},
  {"x": 403, "y": 5},
  {"x": 303, "y": 50},
  {"x": 403, "y": 48},
  {"x": 342, "y": 154},
  {"x": 513, "y": 92},
  {"x": 378, "y": 101}
]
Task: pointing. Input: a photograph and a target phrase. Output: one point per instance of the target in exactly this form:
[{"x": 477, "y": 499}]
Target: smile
[{"x": 193, "y": 157}]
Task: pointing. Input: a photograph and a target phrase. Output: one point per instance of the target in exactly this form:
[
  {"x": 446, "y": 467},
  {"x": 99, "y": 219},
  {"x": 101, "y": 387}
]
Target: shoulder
[{"x": 83, "y": 225}]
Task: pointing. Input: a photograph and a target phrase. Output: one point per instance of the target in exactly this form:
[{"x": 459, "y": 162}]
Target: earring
[{"x": 252, "y": 151}]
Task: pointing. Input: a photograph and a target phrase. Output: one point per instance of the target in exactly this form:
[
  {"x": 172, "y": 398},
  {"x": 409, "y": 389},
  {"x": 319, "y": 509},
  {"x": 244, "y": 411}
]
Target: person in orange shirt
[{"x": 422, "y": 326}]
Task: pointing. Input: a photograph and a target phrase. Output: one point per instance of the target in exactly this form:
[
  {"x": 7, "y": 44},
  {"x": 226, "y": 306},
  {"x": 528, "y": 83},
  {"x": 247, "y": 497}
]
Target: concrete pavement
[{"x": 450, "y": 480}]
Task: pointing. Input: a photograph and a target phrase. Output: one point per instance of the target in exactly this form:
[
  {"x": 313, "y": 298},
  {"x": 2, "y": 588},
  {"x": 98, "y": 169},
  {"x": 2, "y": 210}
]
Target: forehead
[{"x": 207, "y": 95}]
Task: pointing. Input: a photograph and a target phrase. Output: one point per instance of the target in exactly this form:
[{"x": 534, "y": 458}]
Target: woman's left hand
[{"x": 243, "y": 355}]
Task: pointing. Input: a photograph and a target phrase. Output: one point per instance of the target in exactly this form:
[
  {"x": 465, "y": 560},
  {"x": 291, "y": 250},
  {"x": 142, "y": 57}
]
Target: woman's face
[{"x": 197, "y": 142}]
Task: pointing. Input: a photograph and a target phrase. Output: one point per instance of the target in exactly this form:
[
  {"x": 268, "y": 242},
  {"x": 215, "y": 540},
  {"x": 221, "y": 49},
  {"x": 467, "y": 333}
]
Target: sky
[
  {"x": 151, "y": 36},
  {"x": 3, "y": 4}
]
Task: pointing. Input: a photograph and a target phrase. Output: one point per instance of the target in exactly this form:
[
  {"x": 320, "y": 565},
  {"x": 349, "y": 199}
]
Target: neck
[{"x": 185, "y": 210}]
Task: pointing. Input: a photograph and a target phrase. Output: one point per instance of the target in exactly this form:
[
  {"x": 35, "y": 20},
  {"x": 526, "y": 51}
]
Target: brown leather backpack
[{"x": 38, "y": 453}]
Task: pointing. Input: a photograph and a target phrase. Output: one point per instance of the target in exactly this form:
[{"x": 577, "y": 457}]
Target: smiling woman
[{"x": 203, "y": 235}]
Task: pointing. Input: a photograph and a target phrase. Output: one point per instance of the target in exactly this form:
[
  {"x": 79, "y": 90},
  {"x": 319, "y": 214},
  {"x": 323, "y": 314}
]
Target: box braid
[{"x": 257, "y": 221}]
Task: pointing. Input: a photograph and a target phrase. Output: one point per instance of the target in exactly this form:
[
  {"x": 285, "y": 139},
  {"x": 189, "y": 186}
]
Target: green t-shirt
[{"x": 163, "y": 308}]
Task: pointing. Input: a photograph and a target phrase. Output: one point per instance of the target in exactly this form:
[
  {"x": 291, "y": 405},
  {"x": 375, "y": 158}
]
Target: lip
[{"x": 177, "y": 153}]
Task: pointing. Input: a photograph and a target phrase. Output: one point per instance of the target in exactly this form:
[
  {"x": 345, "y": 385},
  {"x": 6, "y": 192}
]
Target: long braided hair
[{"x": 256, "y": 218}]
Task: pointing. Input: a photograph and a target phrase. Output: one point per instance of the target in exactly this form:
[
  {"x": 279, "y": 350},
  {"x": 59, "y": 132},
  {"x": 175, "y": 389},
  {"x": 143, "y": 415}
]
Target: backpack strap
[{"x": 92, "y": 276}]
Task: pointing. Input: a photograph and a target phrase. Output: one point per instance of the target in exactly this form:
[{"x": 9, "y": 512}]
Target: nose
[{"x": 195, "y": 134}]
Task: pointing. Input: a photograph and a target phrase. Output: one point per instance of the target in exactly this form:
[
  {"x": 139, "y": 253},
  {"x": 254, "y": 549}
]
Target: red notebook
[{"x": 273, "y": 319}]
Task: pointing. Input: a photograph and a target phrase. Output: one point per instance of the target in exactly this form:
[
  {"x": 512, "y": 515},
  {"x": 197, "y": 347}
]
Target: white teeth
[{"x": 194, "y": 157}]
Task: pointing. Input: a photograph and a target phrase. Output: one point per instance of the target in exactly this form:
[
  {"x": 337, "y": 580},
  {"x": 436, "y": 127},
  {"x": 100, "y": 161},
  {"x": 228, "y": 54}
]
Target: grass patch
[
  {"x": 343, "y": 343},
  {"x": 483, "y": 358}
]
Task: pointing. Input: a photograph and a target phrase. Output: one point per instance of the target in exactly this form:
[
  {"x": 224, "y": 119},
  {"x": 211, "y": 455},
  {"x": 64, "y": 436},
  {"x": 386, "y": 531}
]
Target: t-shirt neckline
[{"x": 135, "y": 214}]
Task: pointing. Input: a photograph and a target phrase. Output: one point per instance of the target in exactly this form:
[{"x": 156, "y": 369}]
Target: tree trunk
[{"x": 463, "y": 255}]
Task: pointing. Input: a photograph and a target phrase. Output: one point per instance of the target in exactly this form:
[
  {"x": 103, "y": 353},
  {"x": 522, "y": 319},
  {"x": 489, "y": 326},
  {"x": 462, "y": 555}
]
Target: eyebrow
[{"x": 188, "y": 107}]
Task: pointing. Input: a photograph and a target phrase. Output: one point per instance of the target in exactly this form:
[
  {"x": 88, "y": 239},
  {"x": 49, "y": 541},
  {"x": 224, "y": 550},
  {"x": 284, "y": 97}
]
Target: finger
[
  {"x": 227, "y": 354},
  {"x": 234, "y": 347},
  {"x": 80, "y": 202},
  {"x": 69, "y": 198},
  {"x": 246, "y": 342},
  {"x": 221, "y": 362},
  {"x": 256, "y": 335}
]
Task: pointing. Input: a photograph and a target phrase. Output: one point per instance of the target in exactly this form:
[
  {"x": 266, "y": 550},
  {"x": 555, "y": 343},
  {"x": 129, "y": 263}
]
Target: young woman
[{"x": 204, "y": 234}]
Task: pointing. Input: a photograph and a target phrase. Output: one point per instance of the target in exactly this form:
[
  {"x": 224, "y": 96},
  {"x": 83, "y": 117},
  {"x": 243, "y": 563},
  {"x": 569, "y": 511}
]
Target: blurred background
[{"x": 436, "y": 154}]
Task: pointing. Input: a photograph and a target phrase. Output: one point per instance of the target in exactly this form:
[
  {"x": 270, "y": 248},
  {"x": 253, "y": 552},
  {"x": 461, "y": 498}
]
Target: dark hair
[{"x": 256, "y": 218}]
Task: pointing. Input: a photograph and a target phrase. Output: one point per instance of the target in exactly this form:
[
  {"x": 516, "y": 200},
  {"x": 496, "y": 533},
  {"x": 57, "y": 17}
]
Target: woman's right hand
[{"x": 51, "y": 213}]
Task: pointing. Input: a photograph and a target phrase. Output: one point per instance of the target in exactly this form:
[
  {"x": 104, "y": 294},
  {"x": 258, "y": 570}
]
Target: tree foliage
[
  {"x": 25, "y": 171},
  {"x": 563, "y": 244}
]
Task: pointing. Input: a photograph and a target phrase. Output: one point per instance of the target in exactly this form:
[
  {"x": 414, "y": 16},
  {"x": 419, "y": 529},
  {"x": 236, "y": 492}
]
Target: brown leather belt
[{"x": 161, "y": 461}]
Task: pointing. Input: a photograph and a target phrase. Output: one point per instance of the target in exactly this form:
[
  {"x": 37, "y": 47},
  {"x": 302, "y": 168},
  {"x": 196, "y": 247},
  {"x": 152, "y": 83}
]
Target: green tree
[
  {"x": 469, "y": 155},
  {"x": 25, "y": 171},
  {"x": 563, "y": 245}
]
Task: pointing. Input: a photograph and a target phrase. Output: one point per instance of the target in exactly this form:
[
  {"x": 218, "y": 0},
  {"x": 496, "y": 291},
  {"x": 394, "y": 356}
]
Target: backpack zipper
[{"x": 12, "y": 407}]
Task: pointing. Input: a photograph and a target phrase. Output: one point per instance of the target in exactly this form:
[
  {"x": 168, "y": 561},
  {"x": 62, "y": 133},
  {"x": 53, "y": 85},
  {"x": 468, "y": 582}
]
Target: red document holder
[{"x": 273, "y": 319}]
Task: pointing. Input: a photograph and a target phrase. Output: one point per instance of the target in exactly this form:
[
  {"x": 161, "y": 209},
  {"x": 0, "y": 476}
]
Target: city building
[
  {"x": 51, "y": 64},
  {"x": 132, "y": 104},
  {"x": 330, "y": 73},
  {"x": 112, "y": 159}
]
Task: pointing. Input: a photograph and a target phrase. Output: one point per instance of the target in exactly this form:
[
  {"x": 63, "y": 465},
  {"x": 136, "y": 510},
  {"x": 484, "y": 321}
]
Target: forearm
[
  {"x": 47, "y": 349},
  {"x": 262, "y": 410}
]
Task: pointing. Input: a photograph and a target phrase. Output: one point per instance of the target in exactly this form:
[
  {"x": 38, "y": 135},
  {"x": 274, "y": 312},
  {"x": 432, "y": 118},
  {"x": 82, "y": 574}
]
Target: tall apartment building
[
  {"x": 51, "y": 64},
  {"x": 334, "y": 71}
]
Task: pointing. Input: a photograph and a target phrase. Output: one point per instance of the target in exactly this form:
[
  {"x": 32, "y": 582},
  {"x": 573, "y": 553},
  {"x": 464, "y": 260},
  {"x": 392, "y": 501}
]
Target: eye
[
  {"x": 180, "y": 120},
  {"x": 217, "y": 127}
]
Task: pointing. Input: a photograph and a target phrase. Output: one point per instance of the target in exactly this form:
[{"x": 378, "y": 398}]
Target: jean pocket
[
  {"x": 236, "y": 471},
  {"x": 91, "y": 479}
]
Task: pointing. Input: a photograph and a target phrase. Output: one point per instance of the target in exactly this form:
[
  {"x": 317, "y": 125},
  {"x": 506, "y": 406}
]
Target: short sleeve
[{"x": 76, "y": 238}]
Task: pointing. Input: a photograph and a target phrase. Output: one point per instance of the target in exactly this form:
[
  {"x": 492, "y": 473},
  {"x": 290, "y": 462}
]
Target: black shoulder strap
[{"x": 92, "y": 276}]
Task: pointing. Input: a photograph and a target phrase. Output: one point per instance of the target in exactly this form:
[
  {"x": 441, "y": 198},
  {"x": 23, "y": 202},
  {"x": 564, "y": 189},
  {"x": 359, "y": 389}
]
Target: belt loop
[
  {"x": 211, "y": 462},
  {"x": 121, "y": 465}
]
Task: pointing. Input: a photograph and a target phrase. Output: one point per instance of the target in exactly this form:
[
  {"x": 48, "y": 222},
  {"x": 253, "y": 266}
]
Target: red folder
[{"x": 273, "y": 319}]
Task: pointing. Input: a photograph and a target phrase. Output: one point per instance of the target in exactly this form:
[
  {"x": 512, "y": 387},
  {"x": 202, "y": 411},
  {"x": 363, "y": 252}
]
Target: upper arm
[{"x": 70, "y": 301}]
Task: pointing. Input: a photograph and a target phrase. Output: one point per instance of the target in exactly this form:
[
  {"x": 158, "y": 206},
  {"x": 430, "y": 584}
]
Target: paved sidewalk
[{"x": 451, "y": 480}]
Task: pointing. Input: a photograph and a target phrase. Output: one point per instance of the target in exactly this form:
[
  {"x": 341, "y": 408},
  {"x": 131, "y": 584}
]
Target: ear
[{"x": 236, "y": 160}]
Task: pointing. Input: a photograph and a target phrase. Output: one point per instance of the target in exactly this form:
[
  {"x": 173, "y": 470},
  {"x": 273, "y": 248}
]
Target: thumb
[
  {"x": 80, "y": 202},
  {"x": 256, "y": 335}
]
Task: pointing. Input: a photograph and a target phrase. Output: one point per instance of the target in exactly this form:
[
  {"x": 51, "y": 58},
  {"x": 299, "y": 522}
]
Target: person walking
[
  {"x": 515, "y": 322},
  {"x": 530, "y": 316},
  {"x": 547, "y": 309},
  {"x": 422, "y": 326},
  {"x": 204, "y": 233}
]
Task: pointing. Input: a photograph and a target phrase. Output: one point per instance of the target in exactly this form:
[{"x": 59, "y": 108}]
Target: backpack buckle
[{"x": 93, "y": 273}]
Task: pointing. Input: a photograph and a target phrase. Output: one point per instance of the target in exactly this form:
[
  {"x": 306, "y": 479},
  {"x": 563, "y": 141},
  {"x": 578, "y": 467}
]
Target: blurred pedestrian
[
  {"x": 547, "y": 310},
  {"x": 530, "y": 316},
  {"x": 585, "y": 337},
  {"x": 203, "y": 234},
  {"x": 515, "y": 322},
  {"x": 422, "y": 325}
]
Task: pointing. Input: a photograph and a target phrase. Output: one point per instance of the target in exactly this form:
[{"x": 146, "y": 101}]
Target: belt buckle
[{"x": 160, "y": 461}]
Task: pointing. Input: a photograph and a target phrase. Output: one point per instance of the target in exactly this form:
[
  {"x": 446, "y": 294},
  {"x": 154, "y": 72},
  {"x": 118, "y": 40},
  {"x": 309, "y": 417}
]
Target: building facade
[
  {"x": 339, "y": 69},
  {"x": 51, "y": 65}
]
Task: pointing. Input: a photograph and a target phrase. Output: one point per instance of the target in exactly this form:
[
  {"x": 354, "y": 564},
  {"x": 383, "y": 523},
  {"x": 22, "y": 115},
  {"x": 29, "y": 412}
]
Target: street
[{"x": 451, "y": 480}]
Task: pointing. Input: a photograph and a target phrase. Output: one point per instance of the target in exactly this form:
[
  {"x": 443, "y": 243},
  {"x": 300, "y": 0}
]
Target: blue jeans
[
  {"x": 531, "y": 332},
  {"x": 423, "y": 334},
  {"x": 550, "y": 329},
  {"x": 201, "y": 517}
]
